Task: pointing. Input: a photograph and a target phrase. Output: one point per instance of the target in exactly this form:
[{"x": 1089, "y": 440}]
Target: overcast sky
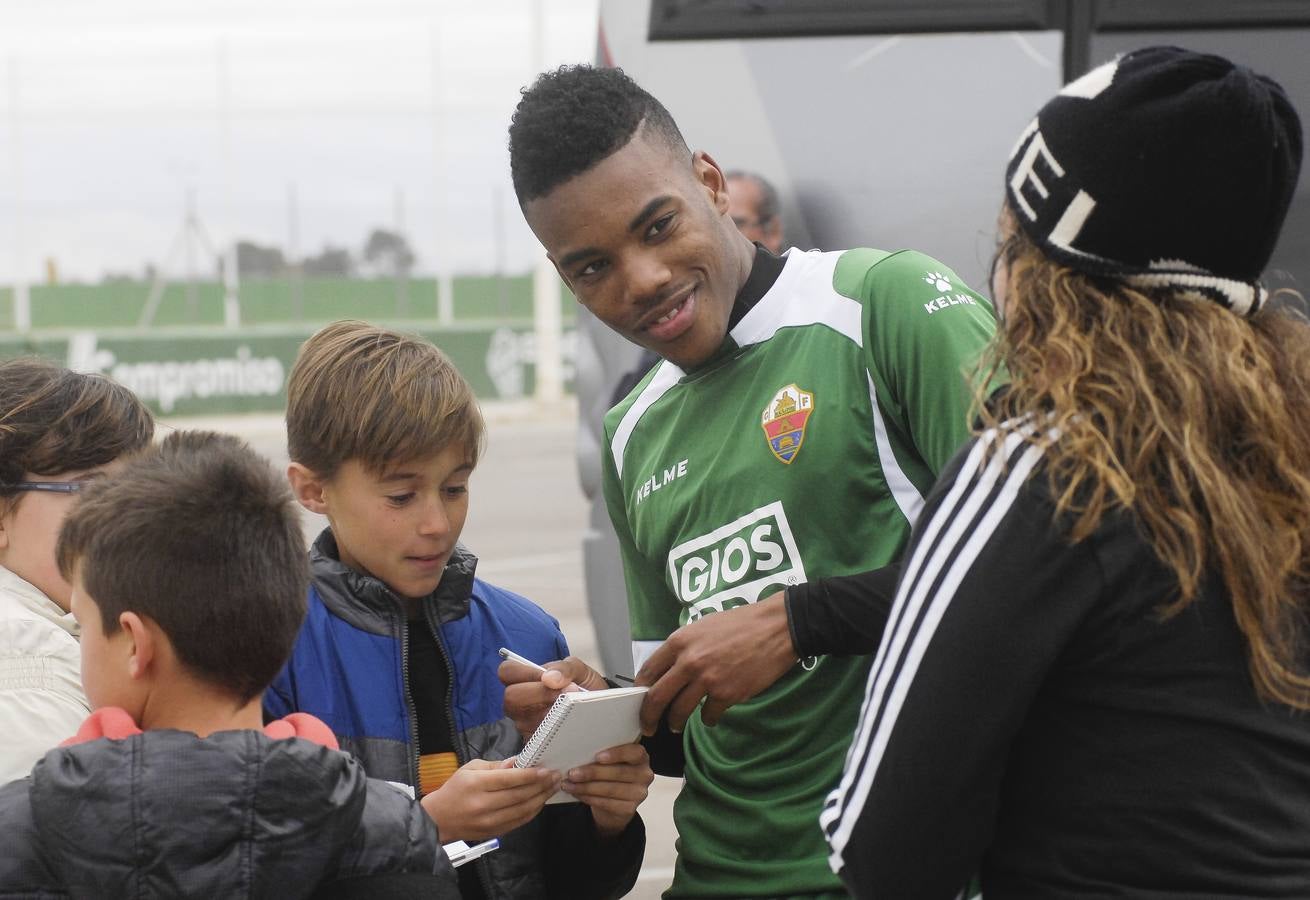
[{"x": 112, "y": 110}]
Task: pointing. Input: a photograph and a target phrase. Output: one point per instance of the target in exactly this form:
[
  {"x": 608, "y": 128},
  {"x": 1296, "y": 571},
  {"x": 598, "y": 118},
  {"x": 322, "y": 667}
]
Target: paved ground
[{"x": 526, "y": 521}]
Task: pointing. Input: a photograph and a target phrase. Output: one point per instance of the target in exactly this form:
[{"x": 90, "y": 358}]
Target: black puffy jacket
[{"x": 236, "y": 814}]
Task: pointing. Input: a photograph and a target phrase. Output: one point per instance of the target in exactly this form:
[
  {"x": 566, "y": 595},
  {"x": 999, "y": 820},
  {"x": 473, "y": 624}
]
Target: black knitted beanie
[{"x": 1164, "y": 167}]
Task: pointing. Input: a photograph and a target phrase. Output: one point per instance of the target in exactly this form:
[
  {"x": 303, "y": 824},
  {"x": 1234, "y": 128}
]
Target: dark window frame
[{"x": 677, "y": 20}]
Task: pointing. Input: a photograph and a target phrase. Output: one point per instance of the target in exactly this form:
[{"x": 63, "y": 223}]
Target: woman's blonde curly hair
[{"x": 1196, "y": 420}]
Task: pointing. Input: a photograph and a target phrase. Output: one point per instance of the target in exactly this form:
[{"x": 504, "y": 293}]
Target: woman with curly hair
[{"x": 1096, "y": 674}]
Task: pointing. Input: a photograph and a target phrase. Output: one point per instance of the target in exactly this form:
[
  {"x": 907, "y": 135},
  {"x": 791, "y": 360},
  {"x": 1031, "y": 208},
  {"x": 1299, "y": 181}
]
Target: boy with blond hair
[
  {"x": 188, "y": 580},
  {"x": 399, "y": 651}
]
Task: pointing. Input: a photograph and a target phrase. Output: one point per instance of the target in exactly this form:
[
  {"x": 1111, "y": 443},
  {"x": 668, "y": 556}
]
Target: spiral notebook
[{"x": 581, "y": 724}]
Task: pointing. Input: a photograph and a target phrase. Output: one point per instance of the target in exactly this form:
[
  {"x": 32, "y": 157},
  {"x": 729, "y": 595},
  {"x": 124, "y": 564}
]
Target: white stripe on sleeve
[
  {"x": 904, "y": 492},
  {"x": 642, "y": 651}
]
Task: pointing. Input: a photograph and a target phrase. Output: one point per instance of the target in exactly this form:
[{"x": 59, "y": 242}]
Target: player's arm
[
  {"x": 653, "y": 613},
  {"x": 985, "y": 605},
  {"x": 924, "y": 344}
]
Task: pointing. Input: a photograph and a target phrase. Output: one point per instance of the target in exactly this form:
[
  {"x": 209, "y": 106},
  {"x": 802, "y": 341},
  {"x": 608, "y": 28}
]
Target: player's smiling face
[{"x": 644, "y": 241}]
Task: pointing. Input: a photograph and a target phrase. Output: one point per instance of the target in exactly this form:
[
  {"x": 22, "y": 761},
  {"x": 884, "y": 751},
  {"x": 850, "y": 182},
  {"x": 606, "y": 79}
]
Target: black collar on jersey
[{"x": 764, "y": 272}]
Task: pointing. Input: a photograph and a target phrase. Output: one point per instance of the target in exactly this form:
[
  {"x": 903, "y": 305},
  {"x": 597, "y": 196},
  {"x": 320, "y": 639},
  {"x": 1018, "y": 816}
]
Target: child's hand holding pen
[
  {"x": 556, "y": 682},
  {"x": 530, "y": 689}
]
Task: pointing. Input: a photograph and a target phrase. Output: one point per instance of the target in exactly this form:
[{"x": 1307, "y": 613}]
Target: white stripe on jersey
[
  {"x": 666, "y": 376},
  {"x": 782, "y": 308},
  {"x": 904, "y": 492},
  {"x": 642, "y": 651},
  {"x": 907, "y": 638}
]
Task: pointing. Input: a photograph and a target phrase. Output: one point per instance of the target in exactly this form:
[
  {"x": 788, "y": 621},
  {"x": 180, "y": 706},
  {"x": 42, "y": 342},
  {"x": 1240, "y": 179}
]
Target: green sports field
[{"x": 274, "y": 301}]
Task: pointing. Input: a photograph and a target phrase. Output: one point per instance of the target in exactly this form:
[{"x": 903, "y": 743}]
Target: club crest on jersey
[{"x": 784, "y": 421}]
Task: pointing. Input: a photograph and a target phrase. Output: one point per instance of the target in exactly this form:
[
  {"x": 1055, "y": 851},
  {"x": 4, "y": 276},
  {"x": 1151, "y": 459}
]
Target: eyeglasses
[{"x": 54, "y": 487}]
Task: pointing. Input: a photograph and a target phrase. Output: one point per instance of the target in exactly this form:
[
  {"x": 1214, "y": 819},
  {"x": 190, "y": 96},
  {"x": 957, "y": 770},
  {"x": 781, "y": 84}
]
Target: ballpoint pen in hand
[{"x": 511, "y": 656}]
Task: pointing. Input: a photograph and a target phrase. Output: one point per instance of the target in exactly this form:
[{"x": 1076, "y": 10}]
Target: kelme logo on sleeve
[
  {"x": 737, "y": 564},
  {"x": 784, "y": 421}
]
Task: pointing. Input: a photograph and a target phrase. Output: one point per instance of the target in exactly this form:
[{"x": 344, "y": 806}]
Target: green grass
[{"x": 273, "y": 301}]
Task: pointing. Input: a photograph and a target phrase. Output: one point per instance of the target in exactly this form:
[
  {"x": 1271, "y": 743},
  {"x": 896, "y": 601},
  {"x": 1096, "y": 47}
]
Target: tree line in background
[{"x": 385, "y": 254}]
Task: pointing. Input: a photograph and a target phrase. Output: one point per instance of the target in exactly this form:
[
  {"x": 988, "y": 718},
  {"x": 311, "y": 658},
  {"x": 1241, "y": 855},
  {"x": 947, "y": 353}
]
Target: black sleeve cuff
[
  {"x": 843, "y": 615},
  {"x": 796, "y": 601}
]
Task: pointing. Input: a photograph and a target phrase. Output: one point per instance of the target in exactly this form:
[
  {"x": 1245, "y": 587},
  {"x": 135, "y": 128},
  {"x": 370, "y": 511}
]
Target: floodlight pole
[
  {"x": 22, "y": 300},
  {"x": 189, "y": 226},
  {"x": 231, "y": 278},
  {"x": 547, "y": 320},
  {"x": 295, "y": 266},
  {"x": 400, "y": 276},
  {"x": 445, "y": 280}
]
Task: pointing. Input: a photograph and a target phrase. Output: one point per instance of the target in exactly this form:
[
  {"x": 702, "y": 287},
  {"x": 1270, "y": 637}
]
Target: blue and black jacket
[{"x": 349, "y": 668}]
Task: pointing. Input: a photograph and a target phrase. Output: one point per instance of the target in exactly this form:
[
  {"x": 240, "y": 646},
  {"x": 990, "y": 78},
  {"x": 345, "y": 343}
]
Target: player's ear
[{"x": 710, "y": 176}]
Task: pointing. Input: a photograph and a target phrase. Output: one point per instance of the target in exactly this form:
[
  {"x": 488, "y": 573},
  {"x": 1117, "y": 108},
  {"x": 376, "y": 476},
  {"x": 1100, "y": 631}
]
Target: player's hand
[
  {"x": 485, "y": 799},
  {"x": 614, "y": 785},
  {"x": 723, "y": 658},
  {"x": 529, "y": 693}
]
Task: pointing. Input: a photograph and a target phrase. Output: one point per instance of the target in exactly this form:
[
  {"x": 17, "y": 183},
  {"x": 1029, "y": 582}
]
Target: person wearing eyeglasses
[{"x": 58, "y": 430}]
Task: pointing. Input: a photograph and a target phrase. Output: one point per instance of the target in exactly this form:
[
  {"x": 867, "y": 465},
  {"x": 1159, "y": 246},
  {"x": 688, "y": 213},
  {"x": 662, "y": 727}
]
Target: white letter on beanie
[
  {"x": 1093, "y": 82},
  {"x": 1075, "y": 215},
  {"x": 1024, "y": 172}
]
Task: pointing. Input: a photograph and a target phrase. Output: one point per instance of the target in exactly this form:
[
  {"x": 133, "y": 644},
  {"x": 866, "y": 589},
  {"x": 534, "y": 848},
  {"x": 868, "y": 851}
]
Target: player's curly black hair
[{"x": 573, "y": 117}]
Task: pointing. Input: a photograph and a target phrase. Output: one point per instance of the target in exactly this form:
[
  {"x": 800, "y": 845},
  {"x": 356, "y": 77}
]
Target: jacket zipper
[
  {"x": 410, "y": 708},
  {"x": 484, "y": 872}
]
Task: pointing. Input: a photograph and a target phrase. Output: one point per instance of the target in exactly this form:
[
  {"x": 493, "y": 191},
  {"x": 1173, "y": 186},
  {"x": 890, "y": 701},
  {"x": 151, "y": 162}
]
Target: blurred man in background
[{"x": 753, "y": 205}]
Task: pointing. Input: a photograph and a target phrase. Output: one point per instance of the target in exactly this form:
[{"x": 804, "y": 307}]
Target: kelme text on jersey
[
  {"x": 737, "y": 563},
  {"x": 659, "y": 479}
]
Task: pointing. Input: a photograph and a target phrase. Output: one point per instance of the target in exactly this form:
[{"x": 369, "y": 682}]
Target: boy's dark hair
[
  {"x": 54, "y": 420},
  {"x": 361, "y": 392},
  {"x": 572, "y": 118},
  {"x": 200, "y": 535}
]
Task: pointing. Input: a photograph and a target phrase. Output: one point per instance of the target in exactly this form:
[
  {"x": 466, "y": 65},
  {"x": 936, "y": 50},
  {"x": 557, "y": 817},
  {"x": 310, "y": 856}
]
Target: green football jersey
[{"x": 803, "y": 449}]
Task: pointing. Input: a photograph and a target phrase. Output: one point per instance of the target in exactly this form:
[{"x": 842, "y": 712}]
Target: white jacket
[{"x": 41, "y": 699}]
